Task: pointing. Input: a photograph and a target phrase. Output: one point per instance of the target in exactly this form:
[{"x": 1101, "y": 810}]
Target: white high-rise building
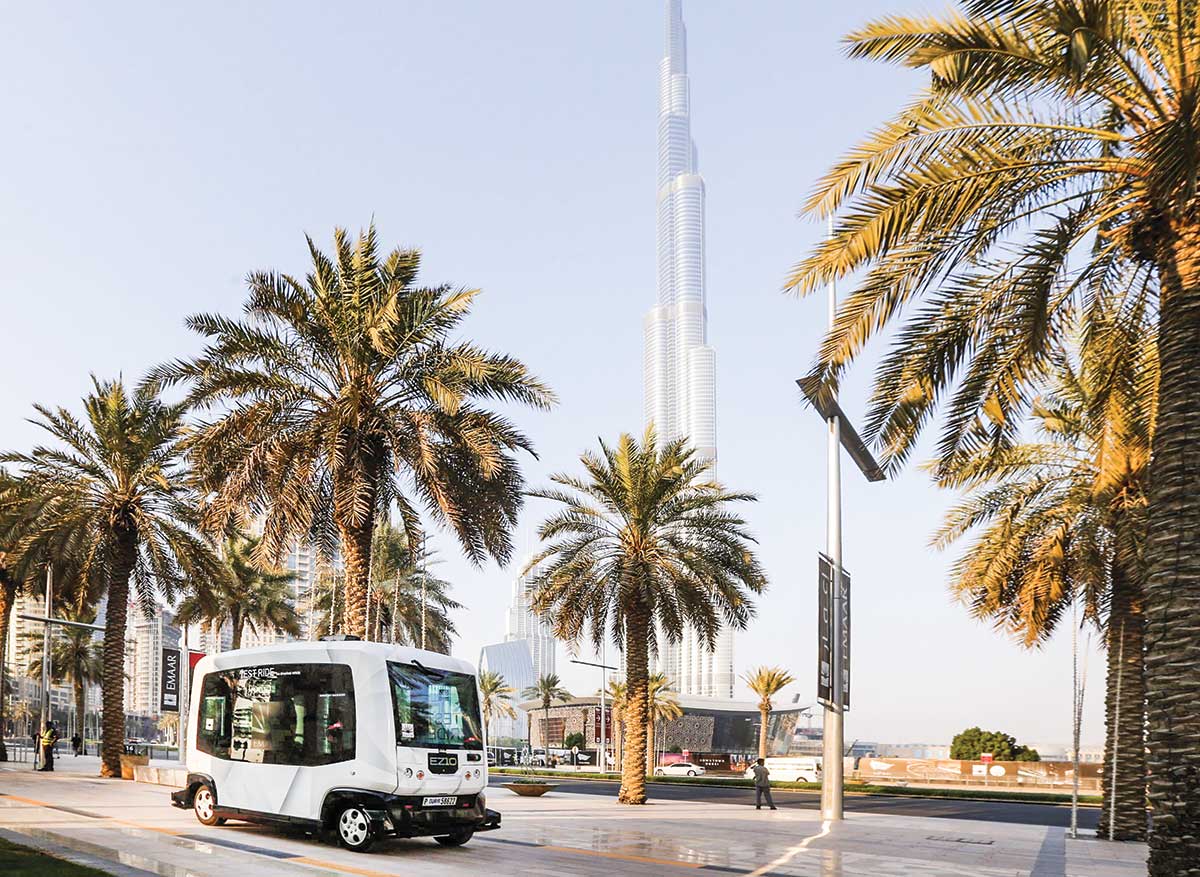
[
  {"x": 680, "y": 393},
  {"x": 522, "y": 624}
]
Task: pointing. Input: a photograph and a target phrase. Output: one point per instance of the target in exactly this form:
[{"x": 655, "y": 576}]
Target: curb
[
  {"x": 898, "y": 792},
  {"x": 123, "y": 863}
]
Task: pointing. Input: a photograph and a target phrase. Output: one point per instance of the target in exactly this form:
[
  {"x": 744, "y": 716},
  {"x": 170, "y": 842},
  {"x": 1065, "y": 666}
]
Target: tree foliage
[
  {"x": 342, "y": 396},
  {"x": 970, "y": 744}
]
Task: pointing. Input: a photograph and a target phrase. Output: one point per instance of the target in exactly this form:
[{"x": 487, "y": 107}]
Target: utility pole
[
  {"x": 833, "y": 733},
  {"x": 46, "y": 660},
  {"x": 424, "y": 572},
  {"x": 841, "y": 436}
]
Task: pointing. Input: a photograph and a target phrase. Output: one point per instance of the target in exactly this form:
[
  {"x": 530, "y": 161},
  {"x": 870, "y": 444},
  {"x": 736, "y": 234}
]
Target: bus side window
[{"x": 213, "y": 725}]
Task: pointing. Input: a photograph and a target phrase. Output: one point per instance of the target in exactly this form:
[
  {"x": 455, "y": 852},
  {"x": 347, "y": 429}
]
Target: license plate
[{"x": 439, "y": 802}]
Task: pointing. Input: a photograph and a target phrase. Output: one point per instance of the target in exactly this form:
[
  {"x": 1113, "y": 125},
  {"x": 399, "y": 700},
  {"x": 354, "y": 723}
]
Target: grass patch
[
  {"x": 851, "y": 788},
  {"x": 19, "y": 861}
]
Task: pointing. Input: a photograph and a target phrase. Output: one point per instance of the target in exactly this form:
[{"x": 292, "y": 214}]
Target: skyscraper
[
  {"x": 522, "y": 624},
  {"x": 679, "y": 390}
]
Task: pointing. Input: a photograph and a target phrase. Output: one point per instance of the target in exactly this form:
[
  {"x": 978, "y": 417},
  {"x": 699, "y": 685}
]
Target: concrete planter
[{"x": 530, "y": 790}]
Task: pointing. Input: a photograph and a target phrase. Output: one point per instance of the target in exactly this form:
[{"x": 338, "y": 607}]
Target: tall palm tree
[
  {"x": 495, "y": 696},
  {"x": 115, "y": 496},
  {"x": 249, "y": 595},
  {"x": 75, "y": 657},
  {"x": 549, "y": 691},
  {"x": 645, "y": 542},
  {"x": 1050, "y": 157},
  {"x": 617, "y": 692},
  {"x": 662, "y": 706},
  {"x": 404, "y": 597},
  {"x": 337, "y": 391},
  {"x": 1061, "y": 518},
  {"x": 767, "y": 682}
]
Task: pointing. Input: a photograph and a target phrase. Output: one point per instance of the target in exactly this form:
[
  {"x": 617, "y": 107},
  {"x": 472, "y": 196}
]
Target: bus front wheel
[
  {"x": 204, "y": 803},
  {"x": 354, "y": 830},
  {"x": 457, "y": 839}
]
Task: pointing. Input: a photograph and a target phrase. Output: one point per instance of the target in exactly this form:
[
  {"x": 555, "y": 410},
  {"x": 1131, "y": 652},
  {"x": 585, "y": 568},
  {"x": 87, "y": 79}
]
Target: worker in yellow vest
[{"x": 49, "y": 738}]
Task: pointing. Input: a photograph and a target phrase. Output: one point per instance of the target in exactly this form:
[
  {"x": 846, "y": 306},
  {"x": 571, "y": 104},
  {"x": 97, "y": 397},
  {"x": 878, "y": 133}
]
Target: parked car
[{"x": 679, "y": 769}]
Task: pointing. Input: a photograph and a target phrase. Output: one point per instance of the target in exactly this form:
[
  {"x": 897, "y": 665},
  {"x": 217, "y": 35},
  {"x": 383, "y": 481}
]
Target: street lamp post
[
  {"x": 604, "y": 668},
  {"x": 842, "y": 436}
]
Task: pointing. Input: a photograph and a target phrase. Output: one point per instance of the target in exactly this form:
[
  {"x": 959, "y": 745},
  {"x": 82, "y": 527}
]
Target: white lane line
[{"x": 787, "y": 856}]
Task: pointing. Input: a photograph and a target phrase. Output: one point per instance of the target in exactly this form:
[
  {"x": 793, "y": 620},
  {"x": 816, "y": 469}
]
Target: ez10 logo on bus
[{"x": 439, "y": 763}]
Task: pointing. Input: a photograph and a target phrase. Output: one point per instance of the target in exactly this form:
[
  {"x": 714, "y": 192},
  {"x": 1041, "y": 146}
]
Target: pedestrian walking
[
  {"x": 762, "y": 785},
  {"x": 76, "y": 743},
  {"x": 49, "y": 738}
]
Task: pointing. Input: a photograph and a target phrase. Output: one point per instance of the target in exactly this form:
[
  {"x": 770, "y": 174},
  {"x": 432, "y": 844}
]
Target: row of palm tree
[
  {"x": 310, "y": 415},
  {"x": 1042, "y": 188}
]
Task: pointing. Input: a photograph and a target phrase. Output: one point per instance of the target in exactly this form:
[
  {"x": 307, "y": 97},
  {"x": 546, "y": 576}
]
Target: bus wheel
[
  {"x": 204, "y": 802},
  {"x": 354, "y": 830},
  {"x": 457, "y": 839}
]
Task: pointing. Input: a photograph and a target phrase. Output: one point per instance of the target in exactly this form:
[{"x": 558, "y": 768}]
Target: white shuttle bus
[{"x": 357, "y": 740}]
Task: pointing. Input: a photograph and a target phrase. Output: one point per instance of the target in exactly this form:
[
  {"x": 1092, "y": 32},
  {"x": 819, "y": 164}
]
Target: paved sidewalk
[{"x": 557, "y": 835}]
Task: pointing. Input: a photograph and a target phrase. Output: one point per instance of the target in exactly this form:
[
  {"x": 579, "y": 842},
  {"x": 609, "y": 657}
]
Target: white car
[{"x": 679, "y": 769}]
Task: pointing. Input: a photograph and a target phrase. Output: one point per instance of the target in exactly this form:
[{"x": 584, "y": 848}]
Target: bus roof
[{"x": 330, "y": 650}]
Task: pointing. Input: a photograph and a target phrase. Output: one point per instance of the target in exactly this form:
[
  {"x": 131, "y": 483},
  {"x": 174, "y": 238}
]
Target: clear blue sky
[{"x": 153, "y": 155}]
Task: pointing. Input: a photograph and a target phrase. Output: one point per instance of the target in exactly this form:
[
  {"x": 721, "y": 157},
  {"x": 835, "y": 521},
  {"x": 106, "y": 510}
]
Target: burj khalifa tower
[{"x": 679, "y": 392}]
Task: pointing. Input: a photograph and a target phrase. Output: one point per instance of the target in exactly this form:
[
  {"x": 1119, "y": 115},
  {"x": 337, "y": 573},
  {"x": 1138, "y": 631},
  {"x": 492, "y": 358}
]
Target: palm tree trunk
[
  {"x": 356, "y": 551},
  {"x": 237, "y": 622},
  {"x": 651, "y": 755},
  {"x": 619, "y": 743},
  {"x": 765, "y": 713},
  {"x": 80, "y": 704},
  {"x": 113, "y": 709},
  {"x": 1123, "y": 814},
  {"x": 637, "y": 671},
  {"x": 8, "y": 597},
  {"x": 1173, "y": 548}
]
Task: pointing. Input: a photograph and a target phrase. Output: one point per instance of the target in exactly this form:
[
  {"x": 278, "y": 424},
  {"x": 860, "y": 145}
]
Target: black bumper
[
  {"x": 182, "y": 798},
  {"x": 409, "y": 818}
]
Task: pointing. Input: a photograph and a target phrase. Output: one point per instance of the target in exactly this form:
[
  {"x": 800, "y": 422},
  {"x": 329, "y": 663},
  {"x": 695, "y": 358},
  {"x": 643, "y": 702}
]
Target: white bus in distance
[{"x": 349, "y": 739}]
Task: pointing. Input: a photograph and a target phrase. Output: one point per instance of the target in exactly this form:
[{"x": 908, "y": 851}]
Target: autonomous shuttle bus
[{"x": 352, "y": 739}]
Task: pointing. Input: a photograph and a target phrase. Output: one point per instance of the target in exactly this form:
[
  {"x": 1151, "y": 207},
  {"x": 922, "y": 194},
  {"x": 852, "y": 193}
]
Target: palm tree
[
  {"x": 617, "y": 691},
  {"x": 337, "y": 391},
  {"x": 767, "y": 682},
  {"x": 404, "y": 596},
  {"x": 663, "y": 706},
  {"x": 249, "y": 595},
  {"x": 645, "y": 542},
  {"x": 1048, "y": 163},
  {"x": 495, "y": 699},
  {"x": 75, "y": 657},
  {"x": 1062, "y": 519},
  {"x": 116, "y": 498},
  {"x": 547, "y": 689}
]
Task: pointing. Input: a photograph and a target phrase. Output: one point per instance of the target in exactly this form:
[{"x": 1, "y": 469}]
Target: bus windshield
[{"x": 434, "y": 708}]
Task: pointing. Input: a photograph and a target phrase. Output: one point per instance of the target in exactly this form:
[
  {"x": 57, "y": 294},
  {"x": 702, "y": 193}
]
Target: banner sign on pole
[
  {"x": 845, "y": 641},
  {"x": 169, "y": 681},
  {"x": 825, "y": 634},
  {"x": 824, "y": 630}
]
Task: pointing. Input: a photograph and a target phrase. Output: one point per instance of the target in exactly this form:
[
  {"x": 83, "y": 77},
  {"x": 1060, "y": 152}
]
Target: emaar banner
[{"x": 169, "y": 684}]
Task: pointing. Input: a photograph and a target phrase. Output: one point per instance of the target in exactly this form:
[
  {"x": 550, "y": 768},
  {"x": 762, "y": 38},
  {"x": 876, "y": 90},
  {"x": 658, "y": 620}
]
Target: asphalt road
[{"x": 941, "y": 808}]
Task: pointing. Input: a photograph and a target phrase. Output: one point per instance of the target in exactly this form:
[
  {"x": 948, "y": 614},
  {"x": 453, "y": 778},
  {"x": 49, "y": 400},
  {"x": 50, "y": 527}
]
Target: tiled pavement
[{"x": 556, "y": 835}]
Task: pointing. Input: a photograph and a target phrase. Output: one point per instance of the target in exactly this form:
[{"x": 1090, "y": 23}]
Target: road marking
[
  {"x": 626, "y": 857},
  {"x": 790, "y": 854},
  {"x": 348, "y": 869}
]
